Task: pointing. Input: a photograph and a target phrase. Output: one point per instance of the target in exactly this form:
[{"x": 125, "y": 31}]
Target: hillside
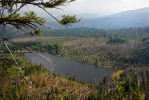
[
  {"x": 121, "y": 48},
  {"x": 125, "y": 49},
  {"x": 132, "y": 18}
]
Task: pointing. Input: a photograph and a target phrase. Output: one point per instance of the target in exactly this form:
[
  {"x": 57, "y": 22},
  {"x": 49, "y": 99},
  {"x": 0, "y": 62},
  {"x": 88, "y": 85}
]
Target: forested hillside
[
  {"x": 124, "y": 49},
  {"x": 121, "y": 43},
  {"x": 112, "y": 48},
  {"x": 38, "y": 83},
  {"x": 125, "y": 19}
]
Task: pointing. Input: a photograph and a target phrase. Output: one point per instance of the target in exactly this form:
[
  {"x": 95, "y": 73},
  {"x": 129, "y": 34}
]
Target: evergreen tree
[{"x": 9, "y": 14}]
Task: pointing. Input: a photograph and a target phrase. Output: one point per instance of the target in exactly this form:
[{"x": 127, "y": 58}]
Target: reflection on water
[{"x": 82, "y": 71}]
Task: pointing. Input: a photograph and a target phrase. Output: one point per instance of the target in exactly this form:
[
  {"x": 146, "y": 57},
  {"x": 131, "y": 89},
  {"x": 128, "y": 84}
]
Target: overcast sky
[
  {"x": 100, "y": 7},
  {"x": 106, "y": 6}
]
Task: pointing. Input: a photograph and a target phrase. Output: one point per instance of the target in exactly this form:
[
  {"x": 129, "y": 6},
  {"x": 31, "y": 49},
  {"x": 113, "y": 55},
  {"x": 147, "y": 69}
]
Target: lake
[{"x": 82, "y": 71}]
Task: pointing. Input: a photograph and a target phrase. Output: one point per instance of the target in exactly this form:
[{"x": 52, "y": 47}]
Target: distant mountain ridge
[{"x": 131, "y": 18}]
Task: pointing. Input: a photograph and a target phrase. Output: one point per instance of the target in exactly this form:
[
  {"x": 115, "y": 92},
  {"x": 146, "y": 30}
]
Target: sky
[
  {"x": 106, "y": 6},
  {"x": 99, "y": 7}
]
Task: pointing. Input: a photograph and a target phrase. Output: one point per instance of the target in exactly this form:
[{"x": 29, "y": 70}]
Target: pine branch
[{"x": 42, "y": 5}]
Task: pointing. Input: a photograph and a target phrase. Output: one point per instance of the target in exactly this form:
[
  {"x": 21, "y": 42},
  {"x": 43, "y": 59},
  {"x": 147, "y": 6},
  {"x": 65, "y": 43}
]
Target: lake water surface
[{"x": 82, "y": 71}]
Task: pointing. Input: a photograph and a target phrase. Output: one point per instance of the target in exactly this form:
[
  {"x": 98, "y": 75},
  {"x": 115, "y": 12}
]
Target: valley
[
  {"x": 123, "y": 49},
  {"x": 90, "y": 57}
]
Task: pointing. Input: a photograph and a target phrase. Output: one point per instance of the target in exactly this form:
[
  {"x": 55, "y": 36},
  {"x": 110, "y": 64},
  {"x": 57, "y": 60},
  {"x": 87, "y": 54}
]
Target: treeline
[
  {"x": 92, "y": 32},
  {"x": 129, "y": 33},
  {"x": 53, "y": 48},
  {"x": 119, "y": 53}
]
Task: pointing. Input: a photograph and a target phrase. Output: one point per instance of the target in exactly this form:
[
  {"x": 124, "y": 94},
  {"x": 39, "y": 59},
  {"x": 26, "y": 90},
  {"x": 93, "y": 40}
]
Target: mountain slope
[{"x": 131, "y": 18}]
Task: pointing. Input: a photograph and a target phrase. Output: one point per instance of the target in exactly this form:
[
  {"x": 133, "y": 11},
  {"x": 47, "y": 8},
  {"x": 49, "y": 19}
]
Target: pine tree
[{"x": 9, "y": 14}]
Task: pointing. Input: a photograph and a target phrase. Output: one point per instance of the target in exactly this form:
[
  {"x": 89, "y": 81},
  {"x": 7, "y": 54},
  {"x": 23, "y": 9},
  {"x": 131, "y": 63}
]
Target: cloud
[
  {"x": 80, "y": 0},
  {"x": 101, "y": 7},
  {"x": 106, "y": 6}
]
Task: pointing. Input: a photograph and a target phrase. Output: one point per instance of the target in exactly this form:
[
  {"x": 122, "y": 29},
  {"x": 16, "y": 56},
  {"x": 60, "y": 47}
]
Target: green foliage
[
  {"x": 68, "y": 19},
  {"x": 140, "y": 56},
  {"x": 124, "y": 34},
  {"x": 25, "y": 21},
  {"x": 31, "y": 16},
  {"x": 34, "y": 69},
  {"x": 53, "y": 48},
  {"x": 27, "y": 18},
  {"x": 10, "y": 14},
  {"x": 116, "y": 40},
  {"x": 36, "y": 32},
  {"x": 145, "y": 39},
  {"x": 55, "y": 3}
]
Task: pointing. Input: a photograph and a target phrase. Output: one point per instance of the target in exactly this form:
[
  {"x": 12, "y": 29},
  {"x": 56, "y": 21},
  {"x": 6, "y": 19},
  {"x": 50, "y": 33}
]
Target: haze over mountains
[{"x": 131, "y": 18}]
